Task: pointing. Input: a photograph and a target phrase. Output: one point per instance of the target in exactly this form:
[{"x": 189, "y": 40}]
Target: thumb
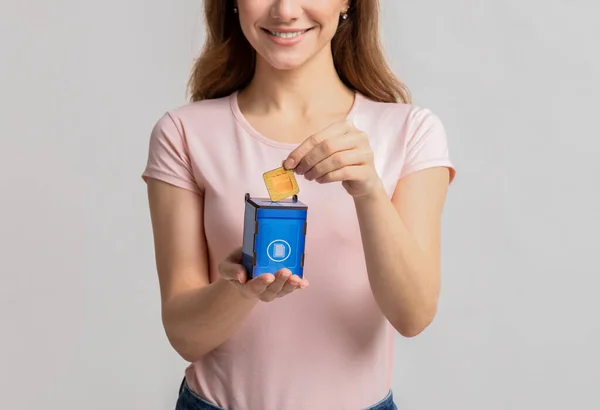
[{"x": 230, "y": 268}]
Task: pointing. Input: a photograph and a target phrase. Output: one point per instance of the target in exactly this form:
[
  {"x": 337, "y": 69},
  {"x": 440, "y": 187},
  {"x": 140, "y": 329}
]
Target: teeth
[{"x": 287, "y": 35}]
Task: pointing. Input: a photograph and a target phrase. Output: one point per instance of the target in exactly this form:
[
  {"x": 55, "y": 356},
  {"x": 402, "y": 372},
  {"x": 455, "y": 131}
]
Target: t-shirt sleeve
[
  {"x": 169, "y": 157},
  {"x": 427, "y": 145}
]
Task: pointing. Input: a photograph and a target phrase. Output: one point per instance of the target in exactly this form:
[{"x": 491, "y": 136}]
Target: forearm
[
  {"x": 200, "y": 320},
  {"x": 402, "y": 276}
]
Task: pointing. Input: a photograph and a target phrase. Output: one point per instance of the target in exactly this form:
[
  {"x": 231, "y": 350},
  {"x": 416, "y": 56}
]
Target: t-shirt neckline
[{"x": 241, "y": 119}]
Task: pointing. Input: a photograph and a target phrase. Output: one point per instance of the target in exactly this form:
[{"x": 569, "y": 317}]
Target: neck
[{"x": 313, "y": 87}]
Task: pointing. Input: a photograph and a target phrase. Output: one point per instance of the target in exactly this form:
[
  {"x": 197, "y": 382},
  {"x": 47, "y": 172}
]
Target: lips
[{"x": 287, "y": 33}]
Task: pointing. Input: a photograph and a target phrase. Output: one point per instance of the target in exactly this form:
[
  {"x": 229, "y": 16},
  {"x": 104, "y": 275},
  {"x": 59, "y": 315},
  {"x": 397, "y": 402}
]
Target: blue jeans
[{"x": 188, "y": 400}]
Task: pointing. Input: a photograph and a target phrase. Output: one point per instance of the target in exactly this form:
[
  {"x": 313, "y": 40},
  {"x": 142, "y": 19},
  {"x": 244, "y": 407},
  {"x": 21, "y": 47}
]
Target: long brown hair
[{"x": 227, "y": 61}]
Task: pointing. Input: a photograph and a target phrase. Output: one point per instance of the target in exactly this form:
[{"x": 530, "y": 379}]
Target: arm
[
  {"x": 401, "y": 245},
  {"x": 197, "y": 316},
  {"x": 400, "y": 237}
]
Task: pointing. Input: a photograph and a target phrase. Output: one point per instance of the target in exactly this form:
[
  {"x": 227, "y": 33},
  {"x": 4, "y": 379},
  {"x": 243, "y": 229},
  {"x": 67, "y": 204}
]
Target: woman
[{"x": 303, "y": 83}]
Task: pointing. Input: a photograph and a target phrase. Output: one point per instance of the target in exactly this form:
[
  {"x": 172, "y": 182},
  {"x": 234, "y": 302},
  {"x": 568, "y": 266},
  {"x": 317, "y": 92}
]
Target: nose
[{"x": 286, "y": 10}]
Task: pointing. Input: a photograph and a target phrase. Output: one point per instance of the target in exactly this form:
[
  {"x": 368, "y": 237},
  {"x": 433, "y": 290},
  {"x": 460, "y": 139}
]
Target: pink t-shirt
[{"x": 325, "y": 347}]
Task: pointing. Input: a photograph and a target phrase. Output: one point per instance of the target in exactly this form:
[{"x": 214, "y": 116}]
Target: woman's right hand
[{"x": 266, "y": 287}]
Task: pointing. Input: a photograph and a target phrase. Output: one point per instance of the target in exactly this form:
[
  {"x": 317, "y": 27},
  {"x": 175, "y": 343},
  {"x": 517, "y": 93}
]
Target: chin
[
  {"x": 287, "y": 60},
  {"x": 291, "y": 56},
  {"x": 286, "y": 64}
]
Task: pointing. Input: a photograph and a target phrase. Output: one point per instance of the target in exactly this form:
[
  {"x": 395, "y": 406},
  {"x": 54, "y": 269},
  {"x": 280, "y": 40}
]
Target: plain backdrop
[{"x": 516, "y": 84}]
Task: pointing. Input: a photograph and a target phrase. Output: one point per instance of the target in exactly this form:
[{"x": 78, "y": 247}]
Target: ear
[{"x": 345, "y": 4}]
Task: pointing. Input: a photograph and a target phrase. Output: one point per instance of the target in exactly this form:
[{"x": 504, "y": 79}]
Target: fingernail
[{"x": 289, "y": 163}]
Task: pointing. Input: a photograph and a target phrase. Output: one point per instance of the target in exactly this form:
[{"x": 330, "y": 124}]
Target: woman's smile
[{"x": 286, "y": 37}]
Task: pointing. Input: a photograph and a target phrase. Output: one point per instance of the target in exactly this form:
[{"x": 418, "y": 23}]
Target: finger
[
  {"x": 257, "y": 286},
  {"x": 303, "y": 284},
  {"x": 336, "y": 161},
  {"x": 272, "y": 291},
  {"x": 334, "y": 129},
  {"x": 350, "y": 173},
  {"x": 327, "y": 148},
  {"x": 300, "y": 283},
  {"x": 291, "y": 285}
]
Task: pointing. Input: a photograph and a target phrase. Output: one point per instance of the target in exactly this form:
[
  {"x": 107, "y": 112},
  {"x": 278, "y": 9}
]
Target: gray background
[{"x": 516, "y": 84}]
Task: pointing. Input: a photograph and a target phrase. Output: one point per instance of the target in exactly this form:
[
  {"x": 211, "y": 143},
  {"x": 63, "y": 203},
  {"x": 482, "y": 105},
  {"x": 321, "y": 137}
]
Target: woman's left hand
[{"x": 338, "y": 153}]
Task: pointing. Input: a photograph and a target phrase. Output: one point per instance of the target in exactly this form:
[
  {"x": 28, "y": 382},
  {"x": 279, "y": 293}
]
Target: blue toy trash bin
[{"x": 274, "y": 236}]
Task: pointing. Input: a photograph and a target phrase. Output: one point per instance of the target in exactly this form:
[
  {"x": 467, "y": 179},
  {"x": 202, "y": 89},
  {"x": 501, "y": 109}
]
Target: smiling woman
[
  {"x": 349, "y": 30},
  {"x": 301, "y": 83}
]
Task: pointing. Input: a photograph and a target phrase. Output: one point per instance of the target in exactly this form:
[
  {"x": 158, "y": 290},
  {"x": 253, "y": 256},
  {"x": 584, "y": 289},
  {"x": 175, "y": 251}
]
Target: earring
[
  {"x": 235, "y": 10},
  {"x": 345, "y": 16}
]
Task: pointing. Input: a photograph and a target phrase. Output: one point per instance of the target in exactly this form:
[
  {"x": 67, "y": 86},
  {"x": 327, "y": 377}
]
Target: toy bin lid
[{"x": 288, "y": 203}]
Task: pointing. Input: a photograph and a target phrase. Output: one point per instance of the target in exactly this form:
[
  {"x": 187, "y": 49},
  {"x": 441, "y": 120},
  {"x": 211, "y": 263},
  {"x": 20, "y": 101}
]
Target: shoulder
[
  {"x": 404, "y": 137},
  {"x": 199, "y": 113},
  {"x": 186, "y": 130},
  {"x": 183, "y": 138},
  {"x": 405, "y": 119},
  {"x": 192, "y": 126}
]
